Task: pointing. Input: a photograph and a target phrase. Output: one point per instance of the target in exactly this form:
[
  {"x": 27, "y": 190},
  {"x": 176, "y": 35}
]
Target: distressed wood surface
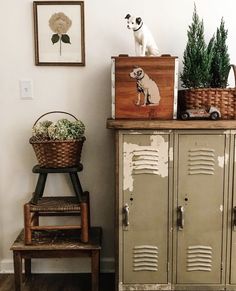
[
  {"x": 59, "y": 240},
  {"x": 161, "y": 70},
  {"x": 170, "y": 124}
]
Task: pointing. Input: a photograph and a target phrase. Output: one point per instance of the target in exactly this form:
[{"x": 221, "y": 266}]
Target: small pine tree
[
  {"x": 197, "y": 56},
  {"x": 210, "y": 53},
  {"x": 220, "y": 65}
]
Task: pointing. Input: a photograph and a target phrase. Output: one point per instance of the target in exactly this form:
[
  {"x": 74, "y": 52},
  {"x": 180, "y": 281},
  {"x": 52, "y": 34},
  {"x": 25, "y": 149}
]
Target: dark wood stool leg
[
  {"x": 27, "y": 268},
  {"x": 27, "y": 221},
  {"x": 84, "y": 222},
  {"x": 38, "y": 193},
  {"x": 17, "y": 270},
  {"x": 95, "y": 267},
  {"x": 76, "y": 185}
]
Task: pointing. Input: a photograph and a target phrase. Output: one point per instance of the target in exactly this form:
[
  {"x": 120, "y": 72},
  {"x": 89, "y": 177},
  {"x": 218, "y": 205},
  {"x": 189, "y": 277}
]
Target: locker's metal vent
[
  {"x": 199, "y": 258},
  {"x": 201, "y": 161},
  {"x": 146, "y": 161},
  {"x": 145, "y": 258}
]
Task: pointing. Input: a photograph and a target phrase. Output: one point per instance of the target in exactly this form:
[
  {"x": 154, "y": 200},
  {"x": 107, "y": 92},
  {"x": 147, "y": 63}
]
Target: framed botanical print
[{"x": 59, "y": 33}]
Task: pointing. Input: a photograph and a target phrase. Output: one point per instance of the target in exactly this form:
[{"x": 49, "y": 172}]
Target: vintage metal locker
[
  {"x": 201, "y": 198},
  {"x": 201, "y": 239},
  {"x": 232, "y": 224},
  {"x": 144, "y": 210}
]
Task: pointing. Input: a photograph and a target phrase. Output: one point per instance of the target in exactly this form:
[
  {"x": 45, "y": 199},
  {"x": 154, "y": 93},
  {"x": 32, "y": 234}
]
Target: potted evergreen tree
[
  {"x": 205, "y": 70},
  {"x": 197, "y": 57}
]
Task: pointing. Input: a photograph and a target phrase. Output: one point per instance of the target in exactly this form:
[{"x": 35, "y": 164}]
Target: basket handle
[
  {"x": 54, "y": 112},
  {"x": 234, "y": 70}
]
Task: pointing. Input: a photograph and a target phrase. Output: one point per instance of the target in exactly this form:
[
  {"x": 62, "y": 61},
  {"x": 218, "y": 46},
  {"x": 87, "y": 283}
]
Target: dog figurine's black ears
[{"x": 138, "y": 20}]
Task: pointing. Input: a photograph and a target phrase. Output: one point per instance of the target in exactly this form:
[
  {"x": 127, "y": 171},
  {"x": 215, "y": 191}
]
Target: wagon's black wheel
[
  {"x": 214, "y": 115},
  {"x": 184, "y": 115}
]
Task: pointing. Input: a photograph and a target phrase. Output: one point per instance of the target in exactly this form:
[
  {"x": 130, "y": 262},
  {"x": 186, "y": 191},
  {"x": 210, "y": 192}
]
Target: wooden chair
[{"x": 57, "y": 206}]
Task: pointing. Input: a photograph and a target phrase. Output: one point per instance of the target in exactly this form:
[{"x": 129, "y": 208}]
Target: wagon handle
[
  {"x": 57, "y": 111},
  {"x": 234, "y": 70}
]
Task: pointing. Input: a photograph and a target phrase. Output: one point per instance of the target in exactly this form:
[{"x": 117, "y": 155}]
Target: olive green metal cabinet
[
  {"x": 145, "y": 167},
  {"x": 200, "y": 207},
  {"x": 175, "y": 205},
  {"x": 231, "y": 246}
]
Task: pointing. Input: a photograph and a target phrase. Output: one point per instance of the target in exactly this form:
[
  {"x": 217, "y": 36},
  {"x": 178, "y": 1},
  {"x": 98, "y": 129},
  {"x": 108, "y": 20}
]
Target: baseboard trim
[{"x": 74, "y": 265}]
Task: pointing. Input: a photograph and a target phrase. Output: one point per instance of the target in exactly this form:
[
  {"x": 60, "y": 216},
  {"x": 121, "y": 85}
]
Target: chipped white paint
[
  {"x": 228, "y": 131},
  {"x": 151, "y": 159},
  {"x": 159, "y": 132},
  {"x": 135, "y": 132},
  {"x": 221, "y": 161},
  {"x": 143, "y": 287},
  {"x": 221, "y": 208},
  {"x": 158, "y": 141}
]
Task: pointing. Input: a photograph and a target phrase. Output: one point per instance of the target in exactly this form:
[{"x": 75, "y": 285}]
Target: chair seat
[{"x": 57, "y": 204}]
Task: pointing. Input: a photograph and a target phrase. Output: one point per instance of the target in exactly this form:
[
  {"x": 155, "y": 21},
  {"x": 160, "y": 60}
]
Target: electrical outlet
[{"x": 26, "y": 90}]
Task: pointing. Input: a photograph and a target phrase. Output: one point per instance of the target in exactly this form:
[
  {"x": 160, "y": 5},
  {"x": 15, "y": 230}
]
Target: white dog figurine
[
  {"x": 144, "y": 41},
  {"x": 146, "y": 86}
]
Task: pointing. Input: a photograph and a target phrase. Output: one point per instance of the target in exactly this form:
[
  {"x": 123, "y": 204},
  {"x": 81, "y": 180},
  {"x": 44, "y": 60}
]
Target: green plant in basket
[
  {"x": 62, "y": 129},
  {"x": 205, "y": 65},
  {"x": 205, "y": 71},
  {"x": 58, "y": 144},
  {"x": 40, "y": 130}
]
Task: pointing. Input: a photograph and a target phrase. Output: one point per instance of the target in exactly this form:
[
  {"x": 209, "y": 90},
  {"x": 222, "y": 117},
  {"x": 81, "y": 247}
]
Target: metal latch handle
[
  {"x": 234, "y": 216},
  {"x": 126, "y": 214},
  {"x": 180, "y": 217}
]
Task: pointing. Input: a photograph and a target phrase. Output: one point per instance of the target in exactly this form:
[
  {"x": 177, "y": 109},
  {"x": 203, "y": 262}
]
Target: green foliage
[
  {"x": 221, "y": 62},
  {"x": 40, "y": 130},
  {"x": 63, "y": 129},
  {"x": 196, "y": 68},
  {"x": 205, "y": 65},
  {"x": 65, "y": 38},
  {"x": 55, "y": 38}
]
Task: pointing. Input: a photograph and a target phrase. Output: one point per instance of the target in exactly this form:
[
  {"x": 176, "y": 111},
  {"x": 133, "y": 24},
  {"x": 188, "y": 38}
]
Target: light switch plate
[{"x": 26, "y": 89}]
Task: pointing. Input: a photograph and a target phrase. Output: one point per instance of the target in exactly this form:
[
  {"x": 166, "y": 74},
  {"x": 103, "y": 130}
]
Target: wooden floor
[{"x": 58, "y": 282}]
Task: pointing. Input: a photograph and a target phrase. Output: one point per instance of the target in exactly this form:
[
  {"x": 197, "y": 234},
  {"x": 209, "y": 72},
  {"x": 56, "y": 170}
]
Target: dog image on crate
[{"x": 146, "y": 86}]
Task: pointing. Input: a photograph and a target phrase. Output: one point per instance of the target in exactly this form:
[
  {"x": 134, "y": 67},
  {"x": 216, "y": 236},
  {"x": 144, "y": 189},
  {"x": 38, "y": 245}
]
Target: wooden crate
[{"x": 144, "y": 87}]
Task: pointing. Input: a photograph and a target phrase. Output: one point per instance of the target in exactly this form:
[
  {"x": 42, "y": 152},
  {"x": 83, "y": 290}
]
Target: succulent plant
[
  {"x": 40, "y": 130},
  {"x": 62, "y": 129}
]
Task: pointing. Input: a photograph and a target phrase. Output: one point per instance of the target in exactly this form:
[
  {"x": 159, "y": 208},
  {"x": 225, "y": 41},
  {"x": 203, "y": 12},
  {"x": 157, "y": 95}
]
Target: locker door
[
  {"x": 200, "y": 199},
  {"x": 233, "y": 246},
  {"x": 145, "y": 208}
]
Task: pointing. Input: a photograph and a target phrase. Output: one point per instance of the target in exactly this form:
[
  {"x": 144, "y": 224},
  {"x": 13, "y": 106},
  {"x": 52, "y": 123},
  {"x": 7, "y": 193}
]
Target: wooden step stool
[
  {"x": 57, "y": 244},
  {"x": 57, "y": 206}
]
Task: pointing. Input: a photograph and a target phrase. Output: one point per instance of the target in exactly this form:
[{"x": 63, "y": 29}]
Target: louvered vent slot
[
  {"x": 199, "y": 258},
  {"x": 201, "y": 161},
  {"x": 145, "y": 258},
  {"x": 145, "y": 162}
]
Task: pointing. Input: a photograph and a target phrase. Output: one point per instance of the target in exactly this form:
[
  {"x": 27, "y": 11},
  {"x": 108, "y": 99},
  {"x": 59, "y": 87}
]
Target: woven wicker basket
[
  {"x": 222, "y": 98},
  {"x": 57, "y": 153}
]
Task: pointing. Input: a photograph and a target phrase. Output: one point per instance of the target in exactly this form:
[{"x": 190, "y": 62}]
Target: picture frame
[{"x": 59, "y": 33}]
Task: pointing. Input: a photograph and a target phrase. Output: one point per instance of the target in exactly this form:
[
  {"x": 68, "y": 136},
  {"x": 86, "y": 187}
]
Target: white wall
[{"x": 84, "y": 91}]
